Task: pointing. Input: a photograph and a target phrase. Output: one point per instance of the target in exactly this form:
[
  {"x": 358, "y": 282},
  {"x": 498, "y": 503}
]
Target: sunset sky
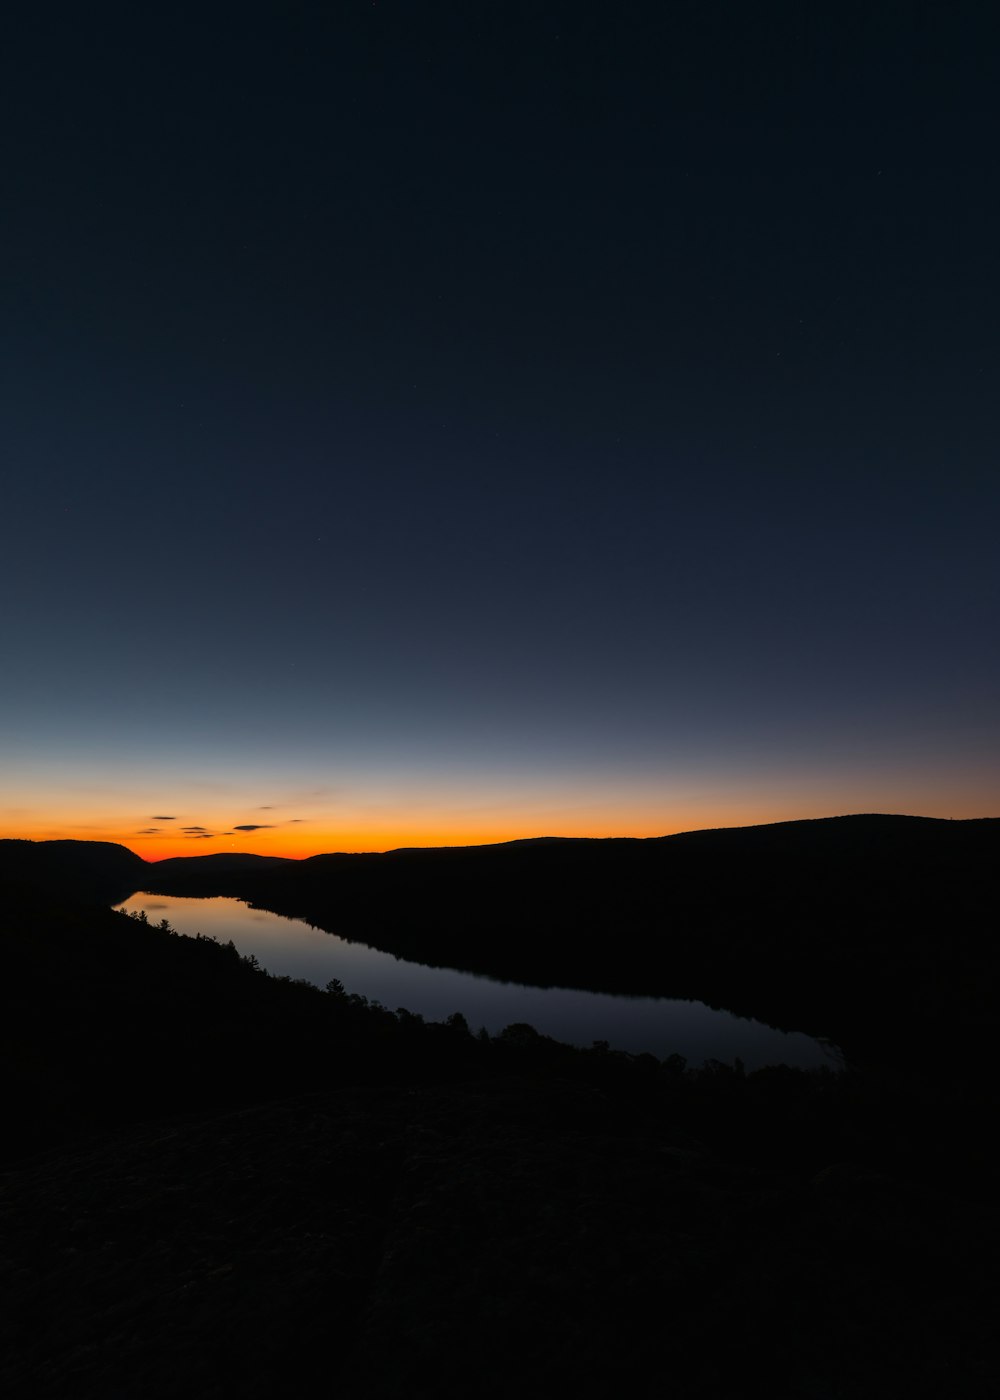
[{"x": 447, "y": 423}]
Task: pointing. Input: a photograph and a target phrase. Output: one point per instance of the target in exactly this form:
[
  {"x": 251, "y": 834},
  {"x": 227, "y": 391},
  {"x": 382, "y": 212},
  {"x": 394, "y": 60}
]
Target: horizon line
[{"x": 514, "y": 841}]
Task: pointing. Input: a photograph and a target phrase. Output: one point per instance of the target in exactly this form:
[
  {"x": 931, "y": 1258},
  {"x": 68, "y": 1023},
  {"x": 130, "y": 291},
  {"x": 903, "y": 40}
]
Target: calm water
[{"x": 659, "y": 1025}]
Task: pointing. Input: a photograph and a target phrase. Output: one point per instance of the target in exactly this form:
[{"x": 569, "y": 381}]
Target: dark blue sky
[{"x": 498, "y": 418}]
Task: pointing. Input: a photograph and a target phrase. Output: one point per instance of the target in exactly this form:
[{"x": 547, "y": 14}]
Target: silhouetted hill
[
  {"x": 106, "y": 872},
  {"x": 88, "y": 870},
  {"x": 177, "y": 867}
]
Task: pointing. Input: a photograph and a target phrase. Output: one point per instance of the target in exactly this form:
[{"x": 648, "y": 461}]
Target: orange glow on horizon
[
  {"x": 389, "y": 830},
  {"x": 326, "y": 840},
  {"x": 159, "y": 818}
]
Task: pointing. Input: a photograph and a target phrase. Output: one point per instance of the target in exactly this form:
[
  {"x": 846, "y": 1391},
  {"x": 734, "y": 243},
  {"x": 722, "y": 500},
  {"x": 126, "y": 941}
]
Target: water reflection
[{"x": 659, "y": 1025}]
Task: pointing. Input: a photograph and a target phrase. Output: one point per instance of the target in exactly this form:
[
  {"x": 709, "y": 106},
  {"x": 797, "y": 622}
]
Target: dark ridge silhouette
[
  {"x": 224, "y": 862},
  {"x": 98, "y": 871}
]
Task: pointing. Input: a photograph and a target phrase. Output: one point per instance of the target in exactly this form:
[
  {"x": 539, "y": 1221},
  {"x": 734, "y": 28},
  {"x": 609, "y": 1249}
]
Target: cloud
[
  {"x": 148, "y": 831},
  {"x": 297, "y": 819},
  {"x": 251, "y": 827},
  {"x": 202, "y": 836},
  {"x": 163, "y": 819},
  {"x": 265, "y": 807},
  {"x": 194, "y": 828}
]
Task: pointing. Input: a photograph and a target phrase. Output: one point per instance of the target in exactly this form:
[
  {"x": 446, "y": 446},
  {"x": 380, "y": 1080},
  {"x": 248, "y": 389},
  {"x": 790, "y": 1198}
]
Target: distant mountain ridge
[
  {"x": 221, "y": 861},
  {"x": 85, "y": 866},
  {"x": 20, "y": 858}
]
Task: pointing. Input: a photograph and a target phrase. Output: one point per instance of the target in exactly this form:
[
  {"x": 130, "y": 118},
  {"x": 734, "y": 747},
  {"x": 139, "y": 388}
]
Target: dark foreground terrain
[
  {"x": 518, "y": 1234},
  {"x": 219, "y": 1183}
]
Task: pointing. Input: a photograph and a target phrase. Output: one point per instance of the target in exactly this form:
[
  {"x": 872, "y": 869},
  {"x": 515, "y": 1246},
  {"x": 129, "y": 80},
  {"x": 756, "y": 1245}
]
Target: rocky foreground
[{"x": 482, "y": 1239}]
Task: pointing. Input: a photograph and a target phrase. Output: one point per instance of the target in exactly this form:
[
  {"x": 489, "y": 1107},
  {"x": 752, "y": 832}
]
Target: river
[{"x": 658, "y": 1025}]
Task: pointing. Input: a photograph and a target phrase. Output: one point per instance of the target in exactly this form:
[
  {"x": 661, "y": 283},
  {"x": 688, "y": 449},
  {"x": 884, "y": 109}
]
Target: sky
[{"x": 433, "y": 423}]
